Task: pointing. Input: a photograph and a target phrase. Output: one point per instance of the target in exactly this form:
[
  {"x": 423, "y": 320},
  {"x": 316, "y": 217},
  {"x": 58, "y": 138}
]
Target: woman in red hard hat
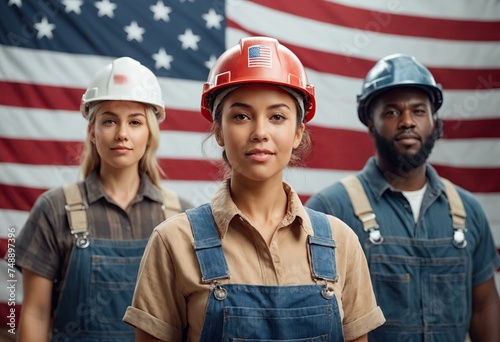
[{"x": 254, "y": 264}]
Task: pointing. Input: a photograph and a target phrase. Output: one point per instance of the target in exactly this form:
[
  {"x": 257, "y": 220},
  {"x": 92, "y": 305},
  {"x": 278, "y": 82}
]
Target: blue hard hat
[{"x": 395, "y": 71}]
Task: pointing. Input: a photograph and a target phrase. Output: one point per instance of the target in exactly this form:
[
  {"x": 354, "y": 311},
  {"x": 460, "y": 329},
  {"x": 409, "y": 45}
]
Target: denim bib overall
[
  {"x": 420, "y": 284},
  {"x": 100, "y": 279},
  {"x": 239, "y": 312},
  {"x": 99, "y": 286},
  {"x": 421, "y": 274}
]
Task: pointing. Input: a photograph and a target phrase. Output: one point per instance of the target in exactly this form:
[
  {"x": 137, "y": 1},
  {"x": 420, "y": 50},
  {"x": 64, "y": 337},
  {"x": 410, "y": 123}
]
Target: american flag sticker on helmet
[{"x": 259, "y": 56}]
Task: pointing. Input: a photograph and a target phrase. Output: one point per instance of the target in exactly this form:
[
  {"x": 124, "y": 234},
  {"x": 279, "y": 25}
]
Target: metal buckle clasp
[
  {"x": 220, "y": 293},
  {"x": 459, "y": 240},
  {"x": 81, "y": 240},
  {"x": 375, "y": 236}
]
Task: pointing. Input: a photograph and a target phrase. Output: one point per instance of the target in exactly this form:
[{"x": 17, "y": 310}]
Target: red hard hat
[{"x": 258, "y": 60}]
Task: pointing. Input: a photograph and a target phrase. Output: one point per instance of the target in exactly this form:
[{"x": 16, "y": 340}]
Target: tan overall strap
[
  {"x": 75, "y": 209},
  {"x": 457, "y": 210},
  {"x": 360, "y": 202},
  {"x": 171, "y": 203}
]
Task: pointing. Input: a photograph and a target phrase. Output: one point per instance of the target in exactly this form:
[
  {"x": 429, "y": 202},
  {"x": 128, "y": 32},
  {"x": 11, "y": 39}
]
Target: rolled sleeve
[
  {"x": 152, "y": 325},
  {"x": 364, "y": 324}
]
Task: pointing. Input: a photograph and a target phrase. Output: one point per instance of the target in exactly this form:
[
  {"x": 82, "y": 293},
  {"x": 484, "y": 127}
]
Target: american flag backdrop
[{"x": 50, "y": 49}]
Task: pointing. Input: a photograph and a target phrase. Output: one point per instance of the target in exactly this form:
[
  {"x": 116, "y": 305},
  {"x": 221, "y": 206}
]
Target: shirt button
[{"x": 274, "y": 243}]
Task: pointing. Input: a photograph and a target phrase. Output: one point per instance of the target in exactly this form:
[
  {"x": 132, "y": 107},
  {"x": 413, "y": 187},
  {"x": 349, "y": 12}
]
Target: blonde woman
[{"x": 80, "y": 248}]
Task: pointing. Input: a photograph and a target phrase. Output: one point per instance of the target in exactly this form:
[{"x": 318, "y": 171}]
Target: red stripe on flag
[
  {"x": 471, "y": 129},
  {"x": 23, "y": 198},
  {"x": 472, "y": 179},
  {"x": 60, "y": 98},
  {"x": 18, "y": 197},
  {"x": 41, "y": 152},
  {"x": 191, "y": 169},
  {"x": 4, "y": 245},
  {"x": 304, "y": 198},
  {"x": 336, "y": 144},
  {"x": 191, "y": 121},
  {"x": 5, "y": 311},
  {"x": 344, "y": 65},
  {"x": 389, "y": 23},
  {"x": 40, "y": 96},
  {"x": 185, "y": 120},
  {"x": 333, "y": 148}
]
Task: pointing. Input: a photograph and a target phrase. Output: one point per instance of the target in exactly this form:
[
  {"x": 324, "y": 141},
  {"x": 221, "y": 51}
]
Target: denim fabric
[
  {"x": 98, "y": 288},
  {"x": 422, "y": 282},
  {"x": 266, "y": 313}
]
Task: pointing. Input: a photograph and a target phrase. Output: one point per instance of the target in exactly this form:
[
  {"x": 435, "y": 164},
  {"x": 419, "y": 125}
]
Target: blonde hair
[{"x": 148, "y": 165}]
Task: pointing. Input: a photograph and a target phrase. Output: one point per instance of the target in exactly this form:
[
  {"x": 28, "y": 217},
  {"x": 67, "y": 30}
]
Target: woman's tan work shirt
[{"x": 170, "y": 298}]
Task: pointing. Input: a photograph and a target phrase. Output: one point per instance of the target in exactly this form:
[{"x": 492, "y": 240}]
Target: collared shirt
[
  {"x": 45, "y": 242},
  {"x": 394, "y": 214},
  {"x": 170, "y": 296},
  {"x": 395, "y": 219}
]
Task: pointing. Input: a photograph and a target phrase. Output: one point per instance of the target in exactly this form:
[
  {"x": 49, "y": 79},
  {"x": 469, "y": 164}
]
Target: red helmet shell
[{"x": 258, "y": 60}]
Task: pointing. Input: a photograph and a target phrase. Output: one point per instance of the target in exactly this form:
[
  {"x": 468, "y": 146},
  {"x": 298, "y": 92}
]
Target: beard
[{"x": 404, "y": 162}]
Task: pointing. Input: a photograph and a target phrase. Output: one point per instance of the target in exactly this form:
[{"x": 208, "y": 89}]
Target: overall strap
[
  {"x": 76, "y": 211},
  {"x": 360, "y": 202},
  {"x": 207, "y": 244},
  {"x": 171, "y": 203},
  {"x": 457, "y": 213},
  {"x": 322, "y": 247},
  {"x": 457, "y": 210},
  {"x": 362, "y": 208}
]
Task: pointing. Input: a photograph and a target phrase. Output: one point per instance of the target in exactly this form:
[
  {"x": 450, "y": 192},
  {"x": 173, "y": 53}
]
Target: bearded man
[{"x": 428, "y": 243}]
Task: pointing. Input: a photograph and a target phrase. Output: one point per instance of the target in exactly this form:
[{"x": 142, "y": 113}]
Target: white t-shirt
[{"x": 415, "y": 198}]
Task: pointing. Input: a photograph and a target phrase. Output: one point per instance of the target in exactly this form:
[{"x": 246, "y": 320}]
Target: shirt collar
[
  {"x": 224, "y": 209},
  {"x": 378, "y": 184},
  {"x": 95, "y": 189}
]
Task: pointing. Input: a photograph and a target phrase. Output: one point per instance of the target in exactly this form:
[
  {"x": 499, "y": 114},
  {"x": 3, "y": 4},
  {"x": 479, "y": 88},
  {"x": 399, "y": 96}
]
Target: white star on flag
[
  {"x": 44, "y": 28},
  {"x": 73, "y": 6},
  {"x": 162, "y": 59},
  {"x": 212, "y": 18},
  {"x": 134, "y": 31},
  {"x": 18, "y": 3},
  {"x": 189, "y": 40},
  {"x": 210, "y": 62},
  {"x": 105, "y": 8},
  {"x": 161, "y": 11}
]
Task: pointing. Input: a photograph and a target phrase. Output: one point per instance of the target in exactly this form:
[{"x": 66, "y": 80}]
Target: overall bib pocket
[
  {"x": 112, "y": 286},
  {"x": 449, "y": 290},
  {"x": 297, "y": 324},
  {"x": 389, "y": 286}
]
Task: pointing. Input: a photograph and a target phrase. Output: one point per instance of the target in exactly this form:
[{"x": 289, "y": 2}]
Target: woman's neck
[
  {"x": 264, "y": 204},
  {"x": 121, "y": 185}
]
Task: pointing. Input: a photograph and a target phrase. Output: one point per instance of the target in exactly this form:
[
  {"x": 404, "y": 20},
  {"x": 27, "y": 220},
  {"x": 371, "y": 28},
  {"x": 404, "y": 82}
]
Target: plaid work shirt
[{"x": 45, "y": 243}]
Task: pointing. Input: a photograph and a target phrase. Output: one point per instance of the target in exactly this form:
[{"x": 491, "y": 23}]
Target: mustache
[{"x": 408, "y": 133}]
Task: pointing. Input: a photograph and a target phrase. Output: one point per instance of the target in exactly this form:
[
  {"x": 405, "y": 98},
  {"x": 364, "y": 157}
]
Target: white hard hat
[{"x": 124, "y": 79}]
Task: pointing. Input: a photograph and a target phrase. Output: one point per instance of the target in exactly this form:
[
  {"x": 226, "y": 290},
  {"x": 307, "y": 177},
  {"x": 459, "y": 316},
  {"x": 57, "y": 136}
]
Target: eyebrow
[
  {"x": 395, "y": 104},
  {"x": 245, "y": 105},
  {"x": 129, "y": 115}
]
